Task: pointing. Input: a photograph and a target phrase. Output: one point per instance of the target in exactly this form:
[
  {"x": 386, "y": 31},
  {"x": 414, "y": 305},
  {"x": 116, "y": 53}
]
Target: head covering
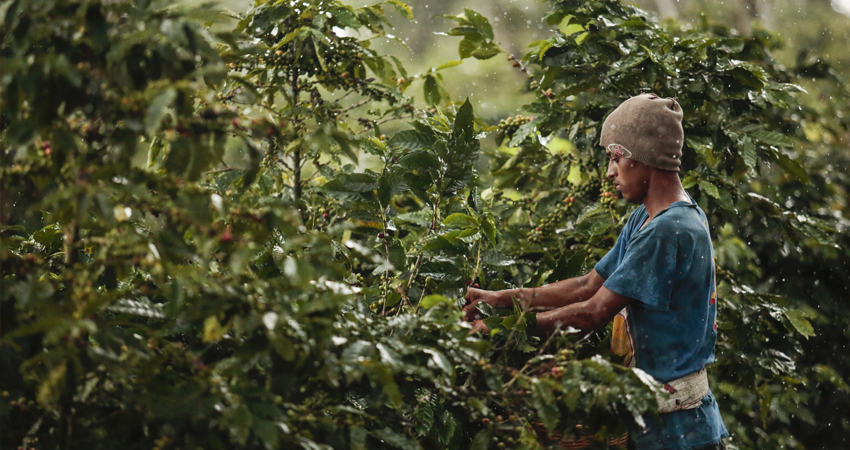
[{"x": 648, "y": 129}]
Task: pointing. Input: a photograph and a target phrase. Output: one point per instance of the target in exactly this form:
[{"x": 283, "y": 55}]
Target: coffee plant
[{"x": 197, "y": 254}]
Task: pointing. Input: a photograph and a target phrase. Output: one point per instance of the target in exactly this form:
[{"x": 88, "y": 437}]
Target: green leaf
[
  {"x": 156, "y": 110},
  {"x": 440, "y": 361},
  {"x": 486, "y": 50},
  {"x": 432, "y": 91},
  {"x": 48, "y": 236},
  {"x": 524, "y": 131},
  {"x": 489, "y": 229},
  {"x": 460, "y": 220},
  {"x": 468, "y": 45},
  {"x": 479, "y": 22},
  {"x": 569, "y": 265},
  {"x": 410, "y": 140},
  {"x": 772, "y": 138},
  {"x": 709, "y": 188},
  {"x": 395, "y": 439},
  {"x": 421, "y": 218},
  {"x": 748, "y": 153},
  {"x": 344, "y": 15},
  {"x": 352, "y": 182},
  {"x": 792, "y": 168},
  {"x": 255, "y": 154},
  {"x": 240, "y": 423},
  {"x": 345, "y": 145},
  {"x": 800, "y": 323},
  {"x": 464, "y": 125},
  {"x": 481, "y": 440},
  {"x": 213, "y": 331},
  {"x": 432, "y": 300},
  {"x": 690, "y": 181},
  {"x": 542, "y": 399},
  {"x": 402, "y": 8},
  {"x": 268, "y": 432},
  {"x": 830, "y": 375}
]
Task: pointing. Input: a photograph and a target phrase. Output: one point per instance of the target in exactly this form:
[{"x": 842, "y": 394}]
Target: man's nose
[{"x": 611, "y": 169}]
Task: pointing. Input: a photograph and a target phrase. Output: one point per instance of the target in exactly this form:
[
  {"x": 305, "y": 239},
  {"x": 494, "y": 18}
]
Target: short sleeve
[{"x": 647, "y": 272}]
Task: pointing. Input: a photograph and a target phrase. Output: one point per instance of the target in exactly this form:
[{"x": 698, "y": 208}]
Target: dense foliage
[{"x": 209, "y": 242}]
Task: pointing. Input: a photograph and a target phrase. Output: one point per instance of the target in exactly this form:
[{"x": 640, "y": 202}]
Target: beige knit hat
[{"x": 648, "y": 129}]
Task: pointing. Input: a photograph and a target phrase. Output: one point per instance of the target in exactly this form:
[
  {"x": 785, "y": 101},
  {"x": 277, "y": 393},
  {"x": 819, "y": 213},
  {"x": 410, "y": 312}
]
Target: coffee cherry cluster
[
  {"x": 323, "y": 217},
  {"x": 355, "y": 279},
  {"x": 508, "y": 127},
  {"x": 608, "y": 195},
  {"x": 588, "y": 191},
  {"x": 548, "y": 224}
]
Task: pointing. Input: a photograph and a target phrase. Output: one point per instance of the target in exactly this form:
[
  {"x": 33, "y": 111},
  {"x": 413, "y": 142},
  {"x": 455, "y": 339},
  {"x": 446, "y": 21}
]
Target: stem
[
  {"x": 345, "y": 111},
  {"x": 388, "y": 119},
  {"x": 421, "y": 296},
  {"x": 296, "y": 174},
  {"x": 387, "y": 252},
  {"x": 70, "y": 244},
  {"x": 436, "y": 213},
  {"x": 66, "y": 399},
  {"x": 296, "y": 163},
  {"x": 523, "y": 308},
  {"x": 210, "y": 172},
  {"x": 477, "y": 262},
  {"x": 415, "y": 270},
  {"x": 539, "y": 352},
  {"x": 66, "y": 405},
  {"x": 387, "y": 280}
]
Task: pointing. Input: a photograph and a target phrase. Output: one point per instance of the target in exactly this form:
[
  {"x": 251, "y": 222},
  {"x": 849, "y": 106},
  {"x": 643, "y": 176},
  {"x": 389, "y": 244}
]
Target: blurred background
[{"x": 806, "y": 28}]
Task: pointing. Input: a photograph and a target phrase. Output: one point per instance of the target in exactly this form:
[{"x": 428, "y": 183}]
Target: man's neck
[{"x": 665, "y": 188}]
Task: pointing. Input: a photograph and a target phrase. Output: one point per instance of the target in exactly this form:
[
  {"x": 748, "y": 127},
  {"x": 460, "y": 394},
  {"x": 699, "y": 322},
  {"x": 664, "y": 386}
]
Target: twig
[
  {"x": 539, "y": 352},
  {"x": 409, "y": 116},
  {"x": 344, "y": 112},
  {"x": 523, "y": 309},
  {"x": 346, "y": 95},
  {"x": 210, "y": 172}
]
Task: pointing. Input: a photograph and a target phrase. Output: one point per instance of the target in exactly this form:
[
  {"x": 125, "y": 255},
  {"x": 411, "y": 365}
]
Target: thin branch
[
  {"x": 345, "y": 95},
  {"x": 210, "y": 172},
  {"x": 388, "y": 119},
  {"x": 344, "y": 112}
]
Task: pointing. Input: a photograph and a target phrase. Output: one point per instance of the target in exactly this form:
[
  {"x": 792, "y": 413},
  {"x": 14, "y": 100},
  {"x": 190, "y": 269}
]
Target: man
[{"x": 658, "y": 280}]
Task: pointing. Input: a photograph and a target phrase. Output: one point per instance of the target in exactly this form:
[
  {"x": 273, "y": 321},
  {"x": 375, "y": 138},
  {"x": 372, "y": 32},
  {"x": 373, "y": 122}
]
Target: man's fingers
[
  {"x": 477, "y": 326},
  {"x": 471, "y": 313}
]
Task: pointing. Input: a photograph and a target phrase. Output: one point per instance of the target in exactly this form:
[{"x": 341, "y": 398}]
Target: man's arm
[
  {"x": 587, "y": 315},
  {"x": 543, "y": 298}
]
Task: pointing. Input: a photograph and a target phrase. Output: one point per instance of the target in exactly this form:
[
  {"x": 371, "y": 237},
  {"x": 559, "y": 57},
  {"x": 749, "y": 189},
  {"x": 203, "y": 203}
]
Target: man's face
[{"x": 630, "y": 177}]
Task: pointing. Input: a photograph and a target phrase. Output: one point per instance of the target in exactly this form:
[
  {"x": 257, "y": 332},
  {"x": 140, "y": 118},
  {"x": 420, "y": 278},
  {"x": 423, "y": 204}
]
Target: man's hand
[
  {"x": 473, "y": 297},
  {"x": 477, "y": 326}
]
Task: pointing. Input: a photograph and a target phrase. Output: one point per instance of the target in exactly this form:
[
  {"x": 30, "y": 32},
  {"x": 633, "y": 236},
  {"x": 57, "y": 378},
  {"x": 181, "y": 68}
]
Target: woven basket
[{"x": 569, "y": 441}]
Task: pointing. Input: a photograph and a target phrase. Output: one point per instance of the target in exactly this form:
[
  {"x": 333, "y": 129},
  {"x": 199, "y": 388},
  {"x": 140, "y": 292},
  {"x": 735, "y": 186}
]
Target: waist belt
[{"x": 685, "y": 393}]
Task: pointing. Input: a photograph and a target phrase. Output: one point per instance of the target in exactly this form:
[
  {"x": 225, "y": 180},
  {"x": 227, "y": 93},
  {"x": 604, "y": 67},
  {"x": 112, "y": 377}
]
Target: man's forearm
[
  {"x": 550, "y": 296},
  {"x": 588, "y": 315},
  {"x": 577, "y": 315}
]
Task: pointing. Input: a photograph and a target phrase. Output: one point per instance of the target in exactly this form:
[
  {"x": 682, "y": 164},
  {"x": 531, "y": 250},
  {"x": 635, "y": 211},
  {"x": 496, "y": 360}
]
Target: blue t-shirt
[{"x": 667, "y": 265}]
